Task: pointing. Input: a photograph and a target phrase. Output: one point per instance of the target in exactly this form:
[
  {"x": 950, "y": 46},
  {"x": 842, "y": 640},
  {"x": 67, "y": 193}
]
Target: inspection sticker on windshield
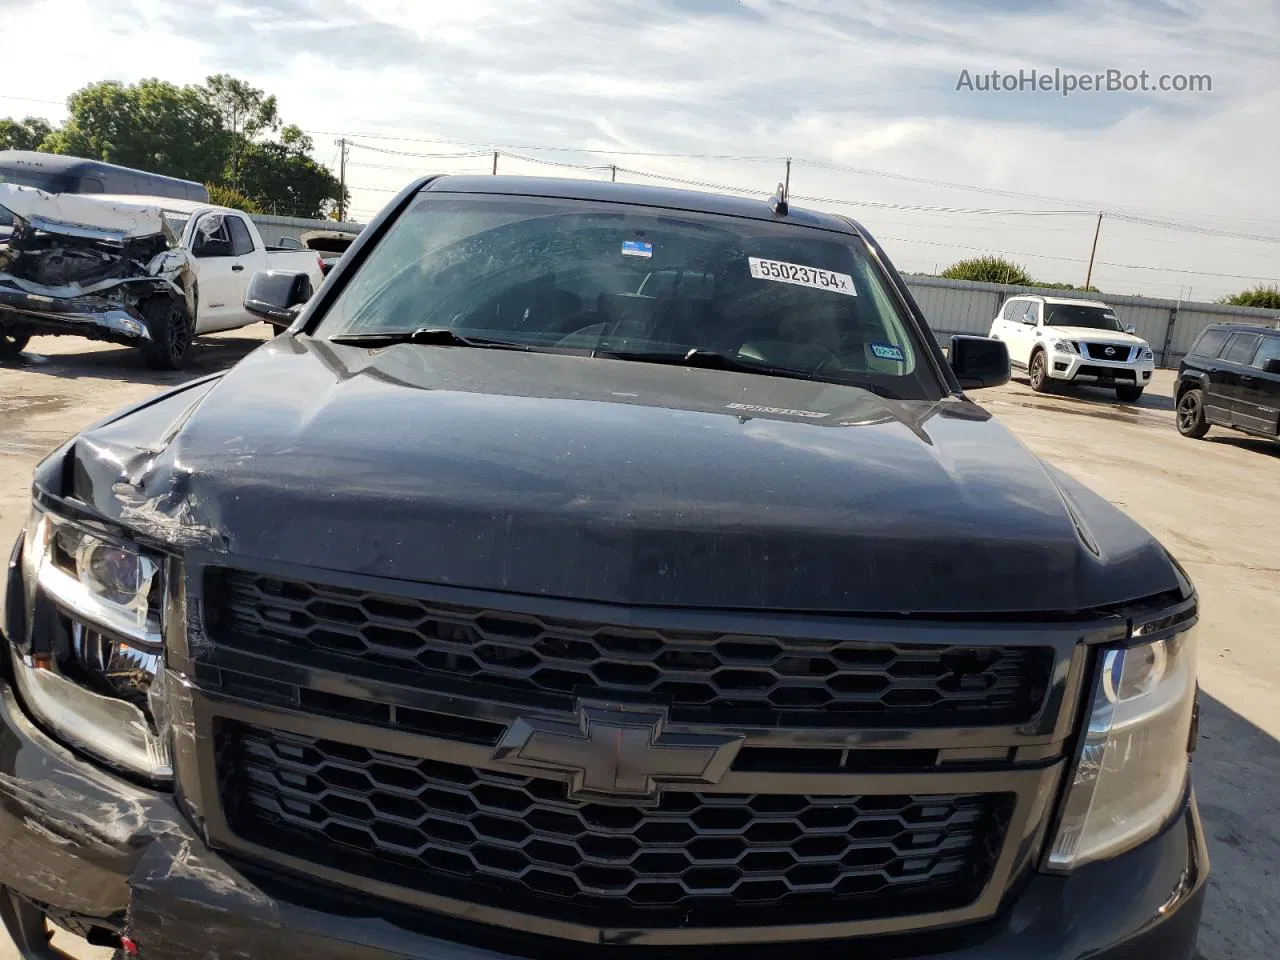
[
  {"x": 782, "y": 272},
  {"x": 887, "y": 351},
  {"x": 637, "y": 248}
]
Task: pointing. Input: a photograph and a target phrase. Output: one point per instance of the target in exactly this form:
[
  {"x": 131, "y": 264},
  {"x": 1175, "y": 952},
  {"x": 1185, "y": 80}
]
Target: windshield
[
  {"x": 177, "y": 221},
  {"x": 637, "y": 282},
  {"x": 1081, "y": 315}
]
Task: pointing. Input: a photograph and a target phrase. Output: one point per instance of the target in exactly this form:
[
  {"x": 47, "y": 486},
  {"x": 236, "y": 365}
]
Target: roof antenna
[{"x": 779, "y": 202}]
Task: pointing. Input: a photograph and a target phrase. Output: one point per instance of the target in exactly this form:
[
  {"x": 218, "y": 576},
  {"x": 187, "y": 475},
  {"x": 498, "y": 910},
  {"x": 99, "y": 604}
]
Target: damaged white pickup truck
[{"x": 149, "y": 272}]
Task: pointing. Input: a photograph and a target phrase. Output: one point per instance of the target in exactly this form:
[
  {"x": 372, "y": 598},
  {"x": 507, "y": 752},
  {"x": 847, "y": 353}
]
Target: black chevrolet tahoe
[{"x": 593, "y": 571}]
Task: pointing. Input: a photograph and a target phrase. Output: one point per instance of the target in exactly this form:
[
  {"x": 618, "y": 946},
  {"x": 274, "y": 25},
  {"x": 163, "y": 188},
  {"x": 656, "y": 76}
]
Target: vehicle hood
[
  {"x": 609, "y": 481},
  {"x": 83, "y": 215},
  {"x": 1094, "y": 335}
]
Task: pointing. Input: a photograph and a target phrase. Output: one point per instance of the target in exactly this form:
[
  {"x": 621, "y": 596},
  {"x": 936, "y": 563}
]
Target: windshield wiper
[
  {"x": 428, "y": 336},
  {"x": 712, "y": 360}
]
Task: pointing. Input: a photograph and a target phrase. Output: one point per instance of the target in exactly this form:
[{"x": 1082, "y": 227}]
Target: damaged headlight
[
  {"x": 1134, "y": 761},
  {"x": 92, "y": 671}
]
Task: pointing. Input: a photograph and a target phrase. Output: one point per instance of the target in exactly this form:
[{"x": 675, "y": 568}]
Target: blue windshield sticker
[
  {"x": 887, "y": 351},
  {"x": 637, "y": 248}
]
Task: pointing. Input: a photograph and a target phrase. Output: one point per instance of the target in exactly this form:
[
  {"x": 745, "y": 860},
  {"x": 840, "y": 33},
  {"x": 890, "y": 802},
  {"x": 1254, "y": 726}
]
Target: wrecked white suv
[
  {"x": 149, "y": 272},
  {"x": 1056, "y": 339}
]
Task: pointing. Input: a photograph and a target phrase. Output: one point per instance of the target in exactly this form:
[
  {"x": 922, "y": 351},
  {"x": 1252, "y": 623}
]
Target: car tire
[
  {"x": 1127, "y": 393},
  {"x": 1038, "y": 373},
  {"x": 1189, "y": 414},
  {"x": 171, "y": 330},
  {"x": 12, "y": 344}
]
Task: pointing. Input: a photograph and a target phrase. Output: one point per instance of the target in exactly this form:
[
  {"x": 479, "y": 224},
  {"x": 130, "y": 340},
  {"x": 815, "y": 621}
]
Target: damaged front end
[{"x": 88, "y": 267}]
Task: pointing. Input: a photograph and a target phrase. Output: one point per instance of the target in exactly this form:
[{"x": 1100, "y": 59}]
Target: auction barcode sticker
[{"x": 799, "y": 274}]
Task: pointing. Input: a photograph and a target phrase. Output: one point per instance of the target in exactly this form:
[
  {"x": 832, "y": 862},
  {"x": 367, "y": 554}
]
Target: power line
[
  {"x": 557, "y": 163},
  {"x": 1090, "y": 205},
  {"x": 56, "y": 103},
  {"x": 933, "y": 209},
  {"x": 409, "y": 153},
  {"x": 535, "y": 147},
  {"x": 1045, "y": 256},
  {"x": 1190, "y": 228}
]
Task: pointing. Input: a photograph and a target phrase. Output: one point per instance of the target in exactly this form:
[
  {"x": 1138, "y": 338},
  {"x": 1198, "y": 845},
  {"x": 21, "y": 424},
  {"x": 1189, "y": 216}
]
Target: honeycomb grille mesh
[
  {"x": 521, "y": 843},
  {"x": 529, "y": 660}
]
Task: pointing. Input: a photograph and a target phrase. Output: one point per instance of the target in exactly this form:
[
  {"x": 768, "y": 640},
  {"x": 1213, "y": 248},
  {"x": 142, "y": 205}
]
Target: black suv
[
  {"x": 1231, "y": 378},
  {"x": 593, "y": 571}
]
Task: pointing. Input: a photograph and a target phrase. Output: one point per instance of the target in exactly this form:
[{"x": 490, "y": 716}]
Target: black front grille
[
  {"x": 1098, "y": 351},
  {"x": 528, "y": 660},
  {"x": 518, "y": 842},
  {"x": 1105, "y": 373}
]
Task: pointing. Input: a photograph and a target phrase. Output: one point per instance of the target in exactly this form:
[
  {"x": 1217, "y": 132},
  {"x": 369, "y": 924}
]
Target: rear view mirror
[
  {"x": 277, "y": 296},
  {"x": 1271, "y": 365},
  {"x": 979, "y": 362}
]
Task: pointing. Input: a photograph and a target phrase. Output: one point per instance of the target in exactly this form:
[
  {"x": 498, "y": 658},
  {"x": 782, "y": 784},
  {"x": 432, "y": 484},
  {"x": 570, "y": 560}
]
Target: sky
[{"x": 861, "y": 94}]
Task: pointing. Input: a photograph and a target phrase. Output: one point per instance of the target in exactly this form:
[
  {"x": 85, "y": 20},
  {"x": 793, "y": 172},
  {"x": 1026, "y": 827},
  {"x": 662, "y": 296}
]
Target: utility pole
[
  {"x": 235, "y": 148},
  {"x": 786, "y": 181},
  {"x": 1096, "y": 230},
  {"x": 613, "y": 173},
  {"x": 495, "y": 163},
  {"x": 342, "y": 179}
]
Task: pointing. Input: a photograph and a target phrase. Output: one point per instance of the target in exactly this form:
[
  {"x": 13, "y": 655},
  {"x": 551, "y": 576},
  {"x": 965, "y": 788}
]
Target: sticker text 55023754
[{"x": 797, "y": 273}]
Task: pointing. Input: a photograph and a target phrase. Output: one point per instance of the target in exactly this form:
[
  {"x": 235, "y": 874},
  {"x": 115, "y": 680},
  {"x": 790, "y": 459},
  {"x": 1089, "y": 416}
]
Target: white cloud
[{"x": 865, "y": 83}]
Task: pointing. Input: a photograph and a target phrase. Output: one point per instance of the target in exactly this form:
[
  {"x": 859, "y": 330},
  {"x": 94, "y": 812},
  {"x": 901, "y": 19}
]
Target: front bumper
[
  {"x": 108, "y": 858},
  {"x": 95, "y": 318},
  {"x": 1072, "y": 366}
]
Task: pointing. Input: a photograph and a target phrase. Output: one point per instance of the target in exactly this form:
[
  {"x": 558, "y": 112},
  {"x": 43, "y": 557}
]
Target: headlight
[
  {"x": 1133, "y": 763},
  {"x": 1145, "y": 353},
  {"x": 93, "y": 671},
  {"x": 1064, "y": 346}
]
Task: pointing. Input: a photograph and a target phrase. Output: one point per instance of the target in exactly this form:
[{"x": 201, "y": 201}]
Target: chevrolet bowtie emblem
[{"x": 610, "y": 752}]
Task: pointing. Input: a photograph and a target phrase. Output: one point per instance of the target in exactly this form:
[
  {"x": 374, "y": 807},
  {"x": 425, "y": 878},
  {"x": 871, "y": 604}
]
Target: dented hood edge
[{"x": 84, "y": 215}]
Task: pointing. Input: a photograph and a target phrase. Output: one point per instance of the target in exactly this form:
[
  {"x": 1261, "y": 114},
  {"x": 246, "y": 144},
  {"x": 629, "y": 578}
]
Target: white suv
[{"x": 1054, "y": 338}]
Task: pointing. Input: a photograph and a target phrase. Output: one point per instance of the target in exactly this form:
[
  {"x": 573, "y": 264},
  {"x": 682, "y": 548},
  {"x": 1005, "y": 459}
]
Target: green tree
[
  {"x": 989, "y": 270},
  {"x": 246, "y": 112},
  {"x": 25, "y": 134},
  {"x": 217, "y": 134},
  {"x": 152, "y": 125},
  {"x": 1260, "y": 296},
  {"x": 281, "y": 177},
  {"x": 226, "y": 197},
  {"x": 1065, "y": 286}
]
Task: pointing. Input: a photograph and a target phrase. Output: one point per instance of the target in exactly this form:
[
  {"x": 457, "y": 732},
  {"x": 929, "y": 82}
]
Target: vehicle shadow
[
  {"x": 1237, "y": 781},
  {"x": 1253, "y": 444},
  {"x": 124, "y": 364},
  {"x": 1107, "y": 395}
]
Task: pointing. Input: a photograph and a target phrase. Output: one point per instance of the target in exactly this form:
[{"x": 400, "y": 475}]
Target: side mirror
[
  {"x": 277, "y": 296},
  {"x": 1130, "y": 328},
  {"x": 979, "y": 362},
  {"x": 1271, "y": 365}
]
